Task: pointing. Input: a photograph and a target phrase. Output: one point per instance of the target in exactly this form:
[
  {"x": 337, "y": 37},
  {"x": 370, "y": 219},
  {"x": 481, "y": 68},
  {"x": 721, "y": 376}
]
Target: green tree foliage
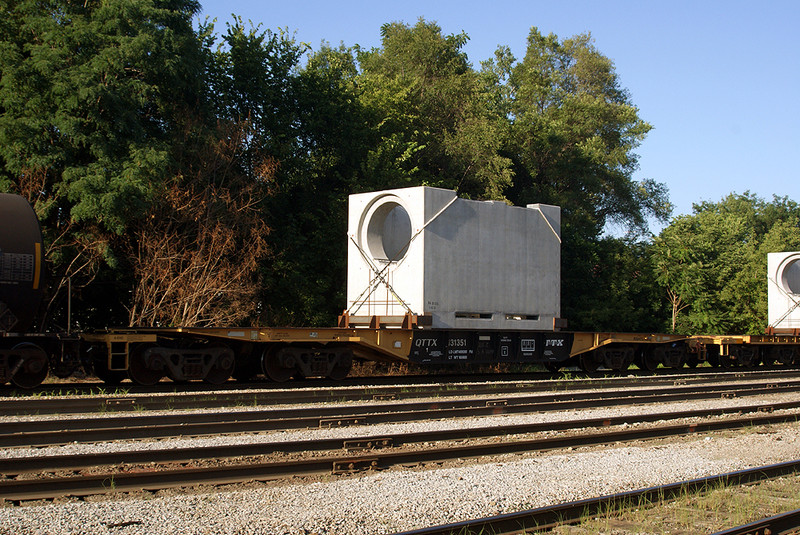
[
  {"x": 573, "y": 136},
  {"x": 251, "y": 77},
  {"x": 305, "y": 277},
  {"x": 713, "y": 262},
  {"x": 433, "y": 111},
  {"x": 573, "y": 133},
  {"x": 618, "y": 291},
  {"x": 88, "y": 90},
  {"x": 88, "y": 95}
]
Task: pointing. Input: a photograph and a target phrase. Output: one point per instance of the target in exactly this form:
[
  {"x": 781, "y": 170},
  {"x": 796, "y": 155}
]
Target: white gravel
[
  {"x": 397, "y": 500},
  {"x": 391, "y": 501}
]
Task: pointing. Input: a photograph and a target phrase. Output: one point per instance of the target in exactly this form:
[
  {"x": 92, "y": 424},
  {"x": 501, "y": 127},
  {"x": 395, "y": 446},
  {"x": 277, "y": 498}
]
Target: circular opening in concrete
[
  {"x": 790, "y": 276},
  {"x": 389, "y": 232}
]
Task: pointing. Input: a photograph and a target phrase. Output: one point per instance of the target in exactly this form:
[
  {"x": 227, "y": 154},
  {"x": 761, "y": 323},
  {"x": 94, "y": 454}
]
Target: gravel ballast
[
  {"x": 391, "y": 501},
  {"x": 397, "y": 500}
]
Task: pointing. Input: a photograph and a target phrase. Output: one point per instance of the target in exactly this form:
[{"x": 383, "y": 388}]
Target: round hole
[
  {"x": 790, "y": 276},
  {"x": 389, "y": 232}
]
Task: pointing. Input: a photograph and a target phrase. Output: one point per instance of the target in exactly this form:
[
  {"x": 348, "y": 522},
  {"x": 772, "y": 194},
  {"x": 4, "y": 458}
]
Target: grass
[{"x": 713, "y": 509}]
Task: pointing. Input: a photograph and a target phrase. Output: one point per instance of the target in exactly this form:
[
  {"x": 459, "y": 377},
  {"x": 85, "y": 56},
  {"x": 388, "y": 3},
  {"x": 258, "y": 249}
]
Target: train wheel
[
  {"x": 342, "y": 367},
  {"x": 588, "y": 362},
  {"x": 649, "y": 360},
  {"x": 29, "y": 365},
  {"x": 138, "y": 369},
  {"x": 277, "y": 365},
  {"x": 781, "y": 355},
  {"x": 222, "y": 369}
]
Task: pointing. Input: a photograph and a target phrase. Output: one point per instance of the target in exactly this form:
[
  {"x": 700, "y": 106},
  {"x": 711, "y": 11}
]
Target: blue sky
[{"x": 718, "y": 80}]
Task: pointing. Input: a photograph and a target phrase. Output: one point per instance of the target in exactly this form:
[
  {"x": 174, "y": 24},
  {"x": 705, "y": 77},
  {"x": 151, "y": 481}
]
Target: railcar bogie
[
  {"x": 783, "y": 355},
  {"x": 214, "y": 355},
  {"x": 26, "y": 365},
  {"x": 278, "y": 365},
  {"x": 616, "y": 357},
  {"x": 672, "y": 355},
  {"x": 26, "y": 360},
  {"x": 307, "y": 360},
  {"x": 147, "y": 356}
]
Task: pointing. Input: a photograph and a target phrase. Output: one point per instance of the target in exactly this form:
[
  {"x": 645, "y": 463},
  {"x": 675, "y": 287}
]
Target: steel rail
[
  {"x": 82, "y": 430},
  {"x": 136, "y": 401},
  {"x": 12, "y": 466},
  {"x": 16, "y": 490},
  {"x": 544, "y": 518},
  {"x": 644, "y": 395},
  {"x": 773, "y": 525}
]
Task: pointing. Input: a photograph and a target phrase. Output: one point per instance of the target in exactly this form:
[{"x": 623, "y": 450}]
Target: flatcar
[{"x": 145, "y": 356}]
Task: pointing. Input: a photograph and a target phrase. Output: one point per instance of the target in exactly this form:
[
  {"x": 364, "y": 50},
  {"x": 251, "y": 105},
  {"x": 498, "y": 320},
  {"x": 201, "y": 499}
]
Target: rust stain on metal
[
  {"x": 368, "y": 444},
  {"x": 327, "y": 423},
  {"x": 354, "y": 465}
]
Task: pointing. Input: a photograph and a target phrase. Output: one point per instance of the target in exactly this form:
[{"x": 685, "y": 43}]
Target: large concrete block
[
  {"x": 783, "y": 274},
  {"x": 466, "y": 264}
]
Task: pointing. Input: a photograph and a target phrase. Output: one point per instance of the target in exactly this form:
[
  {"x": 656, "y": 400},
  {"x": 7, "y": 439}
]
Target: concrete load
[
  {"x": 454, "y": 262},
  {"x": 783, "y": 274}
]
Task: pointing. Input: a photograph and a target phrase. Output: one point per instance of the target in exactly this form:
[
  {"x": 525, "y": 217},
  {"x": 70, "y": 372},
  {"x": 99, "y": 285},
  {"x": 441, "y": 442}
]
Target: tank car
[
  {"x": 20, "y": 264},
  {"x": 23, "y": 359}
]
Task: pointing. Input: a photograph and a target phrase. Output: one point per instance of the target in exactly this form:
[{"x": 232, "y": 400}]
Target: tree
[
  {"x": 305, "y": 278},
  {"x": 196, "y": 256},
  {"x": 572, "y": 136},
  {"x": 714, "y": 261},
  {"x": 306, "y": 120},
  {"x": 89, "y": 92},
  {"x": 574, "y": 132},
  {"x": 251, "y": 77},
  {"x": 619, "y": 292},
  {"x": 434, "y": 111}
]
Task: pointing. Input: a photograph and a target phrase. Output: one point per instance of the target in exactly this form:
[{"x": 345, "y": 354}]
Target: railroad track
[
  {"x": 21, "y": 465},
  {"x": 40, "y": 432},
  {"x": 545, "y": 518},
  {"x": 43, "y": 477},
  {"x": 150, "y": 478},
  {"x": 131, "y": 401},
  {"x": 97, "y": 387}
]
